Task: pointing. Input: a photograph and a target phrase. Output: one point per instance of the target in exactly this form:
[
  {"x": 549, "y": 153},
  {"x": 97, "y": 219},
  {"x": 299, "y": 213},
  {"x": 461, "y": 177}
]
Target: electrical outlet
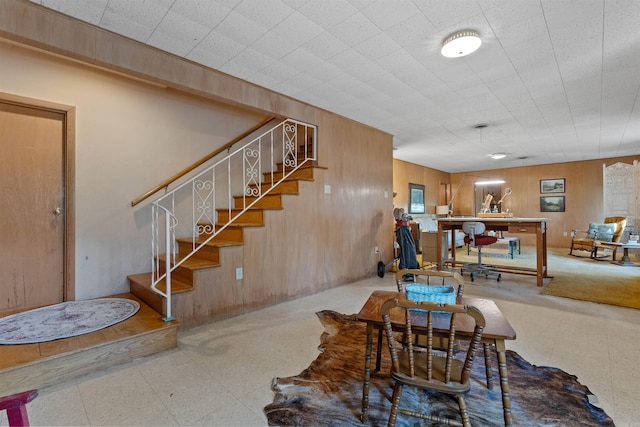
[
  {"x": 376, "y": 250},
  {"x": 564, "y": 233},
  {"x": 239, "y": 273}
]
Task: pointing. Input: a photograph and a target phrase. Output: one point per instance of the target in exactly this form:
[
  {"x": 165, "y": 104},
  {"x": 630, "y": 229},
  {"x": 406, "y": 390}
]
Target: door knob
[{"x": 57, "y": 211}]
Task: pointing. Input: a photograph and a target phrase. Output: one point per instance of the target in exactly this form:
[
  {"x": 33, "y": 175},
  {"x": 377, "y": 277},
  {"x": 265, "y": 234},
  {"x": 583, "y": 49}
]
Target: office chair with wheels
[{"x": 475, "y": 237}]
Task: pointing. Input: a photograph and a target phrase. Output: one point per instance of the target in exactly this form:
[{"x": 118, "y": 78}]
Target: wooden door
[{"x": 32, "y": 204}]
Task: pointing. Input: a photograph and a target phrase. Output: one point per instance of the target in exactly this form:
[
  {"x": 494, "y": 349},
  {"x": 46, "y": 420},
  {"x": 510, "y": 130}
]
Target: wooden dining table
[{"x": 496, "y": 331}]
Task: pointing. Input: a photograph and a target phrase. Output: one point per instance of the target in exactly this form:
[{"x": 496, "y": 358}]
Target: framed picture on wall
[
  {"x": 416, "y": 199},
  {"x": 552, "y": 185},
  {"x": 552, "y": 204}
]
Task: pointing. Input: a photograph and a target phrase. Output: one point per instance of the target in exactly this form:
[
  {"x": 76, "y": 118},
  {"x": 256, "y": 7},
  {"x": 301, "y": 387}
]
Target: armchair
[{"x": 611, "y": 230}]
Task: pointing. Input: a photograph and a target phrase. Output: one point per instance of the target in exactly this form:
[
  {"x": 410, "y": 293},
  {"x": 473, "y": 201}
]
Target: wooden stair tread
[
  {"x": 307, "y": 165},
  {"x": 144, "y": 279},
  {"x": 245, "y": 224},
  {"x": 215, "y": 242},
  {"x": 256, "y": 208},
  {"x": 289, "y": 186},
  {"x": 193, "y": 263},
  {"x": 236, "y": 210},
  {"x": 302, "y": 173},
  {"x": 294, "y": 177},
  {"x": 276, "y": 190}
]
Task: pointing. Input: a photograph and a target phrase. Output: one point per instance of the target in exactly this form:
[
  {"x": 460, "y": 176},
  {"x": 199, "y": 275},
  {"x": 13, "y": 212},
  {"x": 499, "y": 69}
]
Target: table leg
[
  {"x": 626, "y": 260},
  {"x": 379, "y": 350},
  {"x": 541, "y": 253},
  {"x": 487, "y": 364},
  {"x": 504, "y": 381},
  {"x": 367, "y": 374},
  {"x": 625, "y": 256}
]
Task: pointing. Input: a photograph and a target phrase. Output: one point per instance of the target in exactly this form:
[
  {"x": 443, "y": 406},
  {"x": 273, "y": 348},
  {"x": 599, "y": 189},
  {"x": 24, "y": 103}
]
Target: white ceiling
[{"x": 554, "y": 80}]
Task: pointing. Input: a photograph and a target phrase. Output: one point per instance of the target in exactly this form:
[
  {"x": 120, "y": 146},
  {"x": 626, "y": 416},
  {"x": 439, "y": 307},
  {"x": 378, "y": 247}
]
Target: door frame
[{"x": 68, "y": 147}]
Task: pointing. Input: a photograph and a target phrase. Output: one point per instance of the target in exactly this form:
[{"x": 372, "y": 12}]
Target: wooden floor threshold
[{"x": 34, "y": 366}]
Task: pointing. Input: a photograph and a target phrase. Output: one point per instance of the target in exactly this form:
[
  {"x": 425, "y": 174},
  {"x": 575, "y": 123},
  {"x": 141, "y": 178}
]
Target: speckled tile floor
[{"x": 220, "y": 374}]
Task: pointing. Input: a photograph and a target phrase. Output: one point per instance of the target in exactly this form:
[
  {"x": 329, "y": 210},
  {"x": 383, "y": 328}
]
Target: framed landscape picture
[
  {"x": 552, "y": 204},
  {"x": 552, "y": 185},
  {"x": 416, "y": 199}
]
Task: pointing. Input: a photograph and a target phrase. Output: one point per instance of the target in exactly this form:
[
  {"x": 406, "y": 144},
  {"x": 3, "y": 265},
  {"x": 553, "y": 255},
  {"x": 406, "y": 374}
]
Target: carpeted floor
[
  {"x": 578, "y": 277},
  {"x": 329, "y": 391},
  {"x": 614, "y": 290},
  {"x": 586, "y": 279}
]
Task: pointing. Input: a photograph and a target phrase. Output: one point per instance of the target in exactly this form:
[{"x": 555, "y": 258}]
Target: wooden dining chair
[
  {"x": 435, "y": 277},
  {"x": 427, "y": 368},
  {"x": 430, "y": 278}
]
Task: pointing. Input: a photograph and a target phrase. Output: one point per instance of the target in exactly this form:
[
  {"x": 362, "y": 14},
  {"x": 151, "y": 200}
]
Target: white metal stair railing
[{"x": 190, "y": 210}]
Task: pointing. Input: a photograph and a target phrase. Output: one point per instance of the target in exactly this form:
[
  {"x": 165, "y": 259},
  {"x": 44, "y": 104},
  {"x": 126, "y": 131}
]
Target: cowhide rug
[{"x": 329, "y": 391}]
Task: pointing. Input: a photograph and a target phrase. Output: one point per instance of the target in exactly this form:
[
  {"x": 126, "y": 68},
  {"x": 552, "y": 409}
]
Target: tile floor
[{"x": 220, "y": 374}]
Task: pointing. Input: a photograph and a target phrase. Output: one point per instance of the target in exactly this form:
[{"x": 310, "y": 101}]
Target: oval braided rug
[{"x": 64, "y": 320}]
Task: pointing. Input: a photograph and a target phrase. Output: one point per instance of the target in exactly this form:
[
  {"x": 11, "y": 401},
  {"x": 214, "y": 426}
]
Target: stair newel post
[
  {"x": 154, "y": 243},
  {"x": 167, "y": 264}
]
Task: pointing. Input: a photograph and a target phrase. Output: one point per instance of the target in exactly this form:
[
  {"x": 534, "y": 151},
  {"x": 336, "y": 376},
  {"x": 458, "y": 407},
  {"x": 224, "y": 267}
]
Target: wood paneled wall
[
  {"x": 432, "y": 179},
  {"x": 583, "y": 196},
  {"x": 320, "y": 240}
]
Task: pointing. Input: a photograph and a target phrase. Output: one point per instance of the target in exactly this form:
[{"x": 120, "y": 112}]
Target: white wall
[{"x": 129, "y": 137}]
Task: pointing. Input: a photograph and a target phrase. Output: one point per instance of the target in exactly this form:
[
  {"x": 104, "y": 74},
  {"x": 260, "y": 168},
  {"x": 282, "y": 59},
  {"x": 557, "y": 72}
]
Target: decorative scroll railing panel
[{"x": 192, "y": 210}]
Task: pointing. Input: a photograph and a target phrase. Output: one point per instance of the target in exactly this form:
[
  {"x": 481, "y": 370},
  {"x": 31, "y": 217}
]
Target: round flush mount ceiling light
[
  {"x": 497, "y": 156},
  {"x": 461, "y": 43}
]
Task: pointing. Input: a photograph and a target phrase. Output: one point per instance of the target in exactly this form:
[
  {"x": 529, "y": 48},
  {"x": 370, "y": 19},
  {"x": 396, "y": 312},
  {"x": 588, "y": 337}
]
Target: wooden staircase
[{"x": 183, "y": 279}]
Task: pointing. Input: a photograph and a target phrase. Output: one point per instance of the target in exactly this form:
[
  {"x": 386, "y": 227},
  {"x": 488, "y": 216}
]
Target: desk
[
  {"x": 537, "y": 226},
  {"x": 496, "y": 332},
  {"x": 625, "y": 261}
]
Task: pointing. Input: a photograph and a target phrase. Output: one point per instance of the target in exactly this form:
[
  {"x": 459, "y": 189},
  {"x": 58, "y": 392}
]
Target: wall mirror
[{"x": 481, "y": 193}]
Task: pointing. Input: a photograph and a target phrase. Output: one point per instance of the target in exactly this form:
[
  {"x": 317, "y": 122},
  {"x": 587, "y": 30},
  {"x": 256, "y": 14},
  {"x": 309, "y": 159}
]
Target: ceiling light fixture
[
  {"x": 490, "y": 182},
  {"x": 461, "y": 43},
  {"x": 497, "y": 156}
]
